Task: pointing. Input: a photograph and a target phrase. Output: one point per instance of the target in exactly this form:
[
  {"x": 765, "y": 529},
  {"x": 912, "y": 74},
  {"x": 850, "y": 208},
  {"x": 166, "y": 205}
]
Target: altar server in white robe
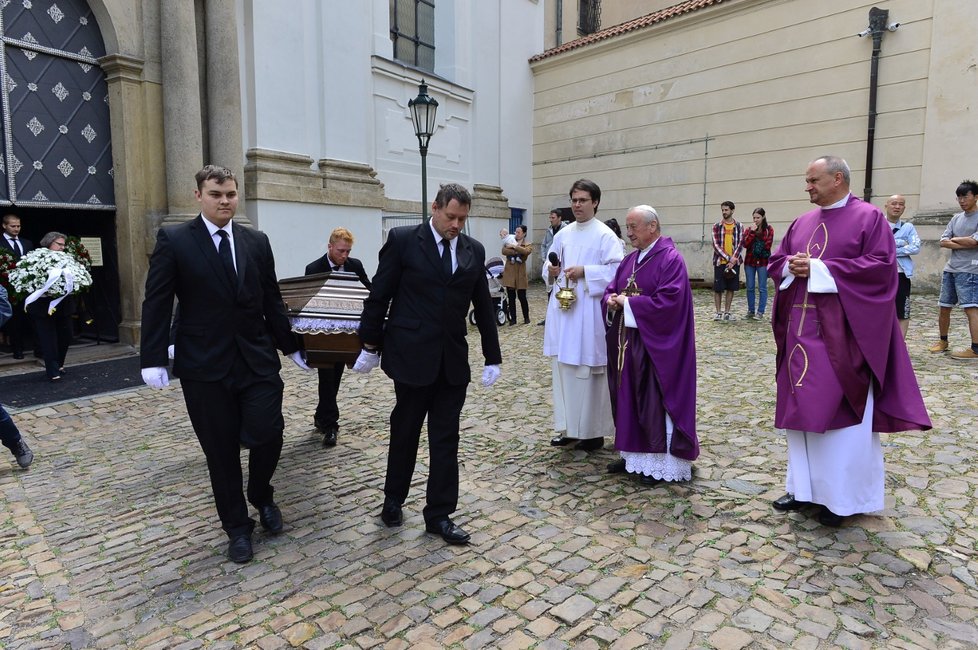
[{"x": 584, "y": 257}]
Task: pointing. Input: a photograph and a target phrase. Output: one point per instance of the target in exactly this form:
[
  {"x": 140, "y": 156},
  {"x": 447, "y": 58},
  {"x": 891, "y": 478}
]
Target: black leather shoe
[
  {"x": 617, "y": 467},
  {"x": 560, "y": 441},
  {"x": 318, "y": 424},
  {"x": 591, "y": 444},
  {"x": 787, "y": 502},
  {"x": 23, "y": 454},
  {"x": 448, "y": 531},
  {"x": 18, "y": 355},
  {"x": 649, "y": 481},
  {"x": 828, "y": 518},
  {"x": 271, "y": 518},
  {"x": 391, "y": 514},
  {"x": 239, "y": 549},
  {"x": 329, "y": 436}
]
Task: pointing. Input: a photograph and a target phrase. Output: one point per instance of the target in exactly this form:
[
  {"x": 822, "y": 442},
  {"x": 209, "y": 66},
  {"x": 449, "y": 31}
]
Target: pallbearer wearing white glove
[
  {"x": 156, "y": 378},
  {"x": 427, "y": 278},
  {"x": 489, "y": 375},
  {"x": 367, "y": 361}
]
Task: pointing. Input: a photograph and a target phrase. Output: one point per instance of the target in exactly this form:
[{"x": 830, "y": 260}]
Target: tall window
[
  {"x": 588, "y": 16},
  {"x": 413, "y": 32}
]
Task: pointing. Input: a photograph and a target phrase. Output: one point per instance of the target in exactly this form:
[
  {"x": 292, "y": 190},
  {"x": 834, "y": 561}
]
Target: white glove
[
  {"x": 490, "y": 374},
  {"x": 169, "y": 351},
  {"x": 298, "y": 360},
  {"x": 366, "y": 362},
  {"x": 156, "y": 378}
]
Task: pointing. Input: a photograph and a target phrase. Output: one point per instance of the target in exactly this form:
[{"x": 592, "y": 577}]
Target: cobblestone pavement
[{"x": 111, "y": 539}]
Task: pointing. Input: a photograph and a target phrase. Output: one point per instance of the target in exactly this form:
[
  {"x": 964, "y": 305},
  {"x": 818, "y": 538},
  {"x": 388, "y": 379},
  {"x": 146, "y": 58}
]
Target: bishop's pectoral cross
[{"x": 631, "y": 289}]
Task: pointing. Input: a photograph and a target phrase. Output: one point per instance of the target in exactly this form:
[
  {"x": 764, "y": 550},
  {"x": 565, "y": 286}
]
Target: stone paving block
[
  {"x": 542, "y": 628},
  {"x": 730, "y": 638},
  {"x": 574, "y": 608},
  {"x": 517, "y": 641},
  {"x": 851, "y": 641},
  {"x": 782, "y": 633},
  {"x": 678, "y": 640},
  {"x": 458, "y": 635}
]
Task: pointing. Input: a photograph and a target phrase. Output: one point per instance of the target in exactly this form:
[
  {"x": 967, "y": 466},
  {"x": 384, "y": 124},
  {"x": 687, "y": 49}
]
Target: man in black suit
[
  {"x": 428, "y": 275},
  {"x": 19, "y": 325},
  {"x": 337, "y": 258},
  {"x": 231, "y": 320}
]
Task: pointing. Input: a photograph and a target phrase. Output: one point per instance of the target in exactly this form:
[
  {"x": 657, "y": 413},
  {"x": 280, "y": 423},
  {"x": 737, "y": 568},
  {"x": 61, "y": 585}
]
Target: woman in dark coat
[{"x": 53, "y": 331}]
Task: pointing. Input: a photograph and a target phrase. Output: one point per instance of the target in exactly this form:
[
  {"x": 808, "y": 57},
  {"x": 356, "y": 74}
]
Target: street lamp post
[{"x": 423, "y": 109}]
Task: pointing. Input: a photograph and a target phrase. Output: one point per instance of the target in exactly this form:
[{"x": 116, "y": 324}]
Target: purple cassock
[
  {"x": 831, "y": 345},
  {"x": 652, "y": 368}
]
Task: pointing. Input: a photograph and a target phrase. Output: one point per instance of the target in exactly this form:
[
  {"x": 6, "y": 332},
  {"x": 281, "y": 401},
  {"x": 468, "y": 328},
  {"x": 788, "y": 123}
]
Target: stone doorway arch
[{"x": 56, "y": 167}]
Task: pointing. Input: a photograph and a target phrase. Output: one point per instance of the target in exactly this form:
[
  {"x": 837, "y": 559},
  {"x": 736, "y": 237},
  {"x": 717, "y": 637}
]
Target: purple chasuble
[
  {"x": 652, "y": 368},
  {"x": 831, "y": 345}
]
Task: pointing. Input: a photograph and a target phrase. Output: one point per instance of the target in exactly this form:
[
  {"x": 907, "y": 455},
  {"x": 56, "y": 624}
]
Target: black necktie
[
  {"x": 446, "y": 257},
  {"x": 336, "y": 268},
  {"x": 17, "y": 248},
  {"x": 224, "y": 250}
]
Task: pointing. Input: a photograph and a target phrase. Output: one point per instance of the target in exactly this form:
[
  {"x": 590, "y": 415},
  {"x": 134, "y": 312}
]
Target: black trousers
[
  {"x": 329, "y": 385},
  {"x": 242, "y": 409},
  {"x": 442, "y": 404},
  {"x": 9, "y": 434},
  {"x": 511, "y": 297},
  {"x": 17, "y": 329},
  {"x": 53, "y": 332}
]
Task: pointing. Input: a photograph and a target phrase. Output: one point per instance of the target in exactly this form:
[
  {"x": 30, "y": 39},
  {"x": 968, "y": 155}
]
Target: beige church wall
[
  {"x": 130, "y": 30},
  {"x": 952, "y": 101},
  {"x": 731, "y": 103}
]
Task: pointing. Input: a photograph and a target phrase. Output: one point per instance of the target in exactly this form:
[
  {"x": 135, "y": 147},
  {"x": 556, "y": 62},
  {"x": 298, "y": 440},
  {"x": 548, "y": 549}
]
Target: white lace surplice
[{"x": 665, "y": 467}]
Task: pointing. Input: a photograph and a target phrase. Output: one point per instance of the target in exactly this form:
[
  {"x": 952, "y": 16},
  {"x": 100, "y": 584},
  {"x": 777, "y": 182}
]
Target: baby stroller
[{"x": 494, "y": 271}]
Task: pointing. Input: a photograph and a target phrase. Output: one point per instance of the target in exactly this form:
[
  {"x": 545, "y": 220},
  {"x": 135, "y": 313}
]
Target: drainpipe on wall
[
  {"x": 560, "y": 20},
  {"x": 877, "y": 27}
]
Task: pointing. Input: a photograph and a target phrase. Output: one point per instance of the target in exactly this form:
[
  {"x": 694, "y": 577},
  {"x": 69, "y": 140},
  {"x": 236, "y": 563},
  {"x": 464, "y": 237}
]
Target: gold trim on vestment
[{"x": 804, "y": 371}]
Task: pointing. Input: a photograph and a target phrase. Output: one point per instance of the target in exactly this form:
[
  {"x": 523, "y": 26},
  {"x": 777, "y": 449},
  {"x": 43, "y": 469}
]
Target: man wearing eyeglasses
[{"x": 583, "y": 258}]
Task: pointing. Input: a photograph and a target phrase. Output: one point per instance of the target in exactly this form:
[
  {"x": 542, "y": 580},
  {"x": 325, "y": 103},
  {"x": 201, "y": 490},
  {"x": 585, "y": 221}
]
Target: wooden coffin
[{"x": 325, "y": 309}]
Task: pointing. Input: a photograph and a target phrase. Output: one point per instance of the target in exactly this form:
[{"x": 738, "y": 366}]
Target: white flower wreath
[{"x": 44, "y": 272}]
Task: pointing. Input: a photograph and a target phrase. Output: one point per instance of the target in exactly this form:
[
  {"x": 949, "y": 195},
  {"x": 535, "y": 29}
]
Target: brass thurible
[{"x": 566, "y": 296}]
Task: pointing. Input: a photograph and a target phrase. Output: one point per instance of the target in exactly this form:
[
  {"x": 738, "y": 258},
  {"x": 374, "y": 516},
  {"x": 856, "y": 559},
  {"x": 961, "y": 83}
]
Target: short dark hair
[
  {"x": 588, "y": 186},
  {"x": 450, "y": 191},
  {"x": 520, "y": 227},
  {"x": 216, "y": 173},
  {"x": 728, "y": 204},
  {"x": 7, "y": 217},
  {"x": 613, "y": 224},
  {"x": 965, "y": 187}
]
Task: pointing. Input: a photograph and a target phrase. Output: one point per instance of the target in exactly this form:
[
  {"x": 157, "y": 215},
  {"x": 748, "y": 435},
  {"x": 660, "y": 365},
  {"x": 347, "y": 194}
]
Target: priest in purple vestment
[
  {"x": 842, "y": 370},
  {"x": 652, "y": 356}
]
